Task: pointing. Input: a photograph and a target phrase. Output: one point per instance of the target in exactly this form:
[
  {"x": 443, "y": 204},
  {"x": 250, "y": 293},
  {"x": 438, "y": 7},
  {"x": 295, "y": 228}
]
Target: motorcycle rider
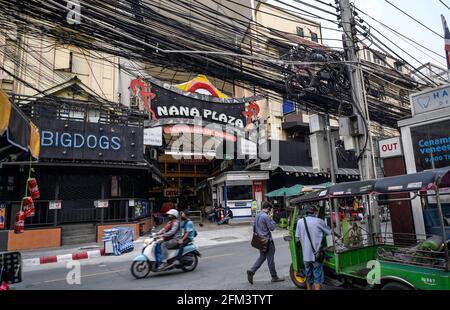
[
  {"x": 169, "y": 234},
  {"x": 188, "y": 236}
]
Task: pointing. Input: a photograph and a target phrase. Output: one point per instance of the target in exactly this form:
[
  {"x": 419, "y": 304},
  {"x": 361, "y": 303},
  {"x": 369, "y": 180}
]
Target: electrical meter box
[
  {"x": 317, "y": 123},
  {"x": 319, "y": 152}
]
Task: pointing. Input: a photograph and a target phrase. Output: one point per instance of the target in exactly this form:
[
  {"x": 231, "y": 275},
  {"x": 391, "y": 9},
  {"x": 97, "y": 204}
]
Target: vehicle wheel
[
  {"x": 395, "y": 286},
  {"x": 299, "y": 279},
  {"x": 193, "y": 265},
  {"x": 140, "y": 269}
]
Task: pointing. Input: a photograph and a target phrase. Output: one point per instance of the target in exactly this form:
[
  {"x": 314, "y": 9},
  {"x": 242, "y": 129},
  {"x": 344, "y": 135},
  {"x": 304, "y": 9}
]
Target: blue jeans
[{"x": 314, "y": 273}]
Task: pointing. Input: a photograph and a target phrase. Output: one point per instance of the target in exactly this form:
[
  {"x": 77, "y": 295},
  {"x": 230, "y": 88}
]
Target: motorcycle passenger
[
  {"x": 189, "y": 234},
  {"x": 169, "y": 236}
]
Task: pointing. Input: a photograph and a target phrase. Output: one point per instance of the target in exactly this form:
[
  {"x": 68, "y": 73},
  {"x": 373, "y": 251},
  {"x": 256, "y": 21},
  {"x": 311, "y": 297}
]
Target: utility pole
[{"x": 360, "y": 110}]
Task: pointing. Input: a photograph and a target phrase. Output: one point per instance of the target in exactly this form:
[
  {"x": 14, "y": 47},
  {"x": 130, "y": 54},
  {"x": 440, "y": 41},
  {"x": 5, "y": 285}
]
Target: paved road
[{"x": 220, "y": 267}]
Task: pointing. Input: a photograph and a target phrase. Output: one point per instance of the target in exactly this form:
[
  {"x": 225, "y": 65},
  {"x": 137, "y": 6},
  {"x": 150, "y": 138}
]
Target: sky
[{"x": 426, "y": 11}]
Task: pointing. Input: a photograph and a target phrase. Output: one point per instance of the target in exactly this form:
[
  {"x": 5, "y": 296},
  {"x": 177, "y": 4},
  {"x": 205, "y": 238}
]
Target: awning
[
  {"x": 277, "y": 193},
  {"x": 301, "y": 169},
  {"x": 352, "y": 188},
  {"x": 310, "y": 197},
  {"x": 421, "y": 181},
  {"x": 16, "y": 128},
  {"x": 297, "y": 190}
]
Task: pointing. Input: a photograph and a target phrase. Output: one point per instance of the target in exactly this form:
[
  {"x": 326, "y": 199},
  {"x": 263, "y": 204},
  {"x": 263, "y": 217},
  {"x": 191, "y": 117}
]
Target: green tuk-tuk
[{"x": 364, "y": 256}]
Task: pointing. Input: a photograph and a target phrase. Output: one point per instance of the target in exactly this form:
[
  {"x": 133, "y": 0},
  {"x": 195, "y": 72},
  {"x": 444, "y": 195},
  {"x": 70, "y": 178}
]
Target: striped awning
[{"x": 17, "y": 127}]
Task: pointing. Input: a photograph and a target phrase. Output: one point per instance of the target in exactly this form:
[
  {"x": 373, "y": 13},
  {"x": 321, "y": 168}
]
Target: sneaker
[
  {"x": 162, "y": 266},
  {"x": 276, "y": 279},
  {"x": 250, "y": 275}
]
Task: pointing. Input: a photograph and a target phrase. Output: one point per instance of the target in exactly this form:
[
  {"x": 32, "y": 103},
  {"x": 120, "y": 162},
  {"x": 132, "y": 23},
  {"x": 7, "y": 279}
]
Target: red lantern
[
  {"x": 28, "y": 206},
  {"x": 33, "y": 188},
  {"x": 20, "y": 223}
]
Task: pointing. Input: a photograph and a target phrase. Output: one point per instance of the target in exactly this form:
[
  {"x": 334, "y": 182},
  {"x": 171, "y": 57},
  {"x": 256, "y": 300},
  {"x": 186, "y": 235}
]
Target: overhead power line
[{"x": 414, "y": 19}]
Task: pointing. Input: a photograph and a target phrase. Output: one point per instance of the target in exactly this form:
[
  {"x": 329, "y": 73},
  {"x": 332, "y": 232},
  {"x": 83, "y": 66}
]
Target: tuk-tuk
[{"x": 363, "y": 255}]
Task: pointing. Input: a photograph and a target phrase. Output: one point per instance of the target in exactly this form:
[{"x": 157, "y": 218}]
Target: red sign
[
  {"x": 145, "y": 93},
  {"x": 390, "y": 147},
  {"x": 177, "y": 129},
  {"x": 2, "y": 216},
  {"x": 171, "y": 192}
]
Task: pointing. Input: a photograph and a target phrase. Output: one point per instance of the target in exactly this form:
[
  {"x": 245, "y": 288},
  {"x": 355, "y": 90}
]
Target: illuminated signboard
[
  {"x": 162, "y": 101},
  {"x": 431, "y": 145},
  {"x": 89, "y": 141}
]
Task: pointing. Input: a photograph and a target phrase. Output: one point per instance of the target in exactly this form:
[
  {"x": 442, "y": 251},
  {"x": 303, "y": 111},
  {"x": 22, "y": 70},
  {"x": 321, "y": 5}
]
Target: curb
[{"x": 62, "y": 258}]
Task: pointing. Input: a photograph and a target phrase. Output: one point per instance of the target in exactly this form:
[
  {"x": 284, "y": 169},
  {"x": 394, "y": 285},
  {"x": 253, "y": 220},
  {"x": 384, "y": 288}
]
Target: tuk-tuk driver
[{"x": 317, "y": 229}]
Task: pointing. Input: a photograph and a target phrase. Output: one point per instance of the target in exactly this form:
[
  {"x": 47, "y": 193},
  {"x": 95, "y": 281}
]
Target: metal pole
[
  {"x": 102, "y": 210},
  {"x": 55, "y": 220},
  {"x": 331, "y": 152},
  {"x": 442, "y": 224}
]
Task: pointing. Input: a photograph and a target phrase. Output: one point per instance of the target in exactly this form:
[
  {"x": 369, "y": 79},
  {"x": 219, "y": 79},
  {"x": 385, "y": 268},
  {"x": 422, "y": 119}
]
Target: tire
[
  {"x": 395, "y": 286},
  {"x": 298, "y": 279},
  {"x": 194, "y": 263},
  {"x": 140, "y": 269}
]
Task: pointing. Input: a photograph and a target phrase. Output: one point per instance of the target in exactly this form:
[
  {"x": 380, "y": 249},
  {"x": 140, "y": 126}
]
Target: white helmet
[{"x": 172, "y": 212}]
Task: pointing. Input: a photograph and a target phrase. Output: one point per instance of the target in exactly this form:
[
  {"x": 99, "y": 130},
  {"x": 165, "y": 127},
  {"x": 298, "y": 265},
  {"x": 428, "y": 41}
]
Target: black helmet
[{"x": 310, "y": 209}]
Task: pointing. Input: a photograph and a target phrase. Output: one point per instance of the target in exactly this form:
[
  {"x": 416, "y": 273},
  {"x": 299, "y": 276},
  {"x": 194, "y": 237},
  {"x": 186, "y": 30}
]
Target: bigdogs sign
[{"x": 90, "y": 141}]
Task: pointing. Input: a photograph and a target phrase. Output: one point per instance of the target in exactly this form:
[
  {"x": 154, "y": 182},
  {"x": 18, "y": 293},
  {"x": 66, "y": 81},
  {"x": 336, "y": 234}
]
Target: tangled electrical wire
[{"x": 219, "y": 39}]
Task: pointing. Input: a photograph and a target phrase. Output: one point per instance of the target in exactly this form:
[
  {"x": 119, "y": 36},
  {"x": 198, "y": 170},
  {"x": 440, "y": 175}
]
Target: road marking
[
  {"x": 120, "y": 270},
  {"x": 88, "y": 275},
  {"x": 216, "y": 256}
]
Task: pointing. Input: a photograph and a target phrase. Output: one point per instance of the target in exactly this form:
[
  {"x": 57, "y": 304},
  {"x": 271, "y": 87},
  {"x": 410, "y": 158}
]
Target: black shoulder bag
[
  {"x": 259, "y": 242},
  {"x": 318, "y": 255}
]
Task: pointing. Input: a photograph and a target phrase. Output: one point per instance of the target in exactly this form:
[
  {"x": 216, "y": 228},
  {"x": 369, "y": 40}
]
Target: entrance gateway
[{"x": 202, "y": 134}]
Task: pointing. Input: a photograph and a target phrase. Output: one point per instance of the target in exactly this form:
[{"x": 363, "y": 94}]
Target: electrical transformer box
[
  {"x": 317, "y": 123},
  {"x": 319, "y": 152}
]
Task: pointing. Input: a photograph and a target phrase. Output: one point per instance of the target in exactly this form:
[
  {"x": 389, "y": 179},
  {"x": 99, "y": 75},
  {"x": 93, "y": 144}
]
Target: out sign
[{"x": 390, "y": 147}]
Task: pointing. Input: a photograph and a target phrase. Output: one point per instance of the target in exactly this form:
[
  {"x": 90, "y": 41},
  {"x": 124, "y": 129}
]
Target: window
[
  {"x": 300, "y": 32},
  {"x": 398, "y": 66},
  {"x": 241, "y": 192},
  {"x": 314, "y": 37},
  {"x": 378, "y": 60},
  {"x": 368, "y": 55}
]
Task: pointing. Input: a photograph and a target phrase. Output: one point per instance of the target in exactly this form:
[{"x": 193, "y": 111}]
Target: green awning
[
  {"x": 277, "y": 193},
  {"x": 294, "y": 190}
]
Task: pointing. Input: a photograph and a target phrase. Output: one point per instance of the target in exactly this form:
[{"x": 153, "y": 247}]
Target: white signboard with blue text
[{"x": 430, "y": 100}]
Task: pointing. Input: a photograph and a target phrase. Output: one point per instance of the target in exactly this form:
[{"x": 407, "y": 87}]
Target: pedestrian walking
[
  {"x": 263, "y": 227},
  {"x": 310, "y": 231}
]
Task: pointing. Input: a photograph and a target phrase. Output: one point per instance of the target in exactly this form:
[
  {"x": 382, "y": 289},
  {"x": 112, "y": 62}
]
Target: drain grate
[{"x": 224, "y": 238}]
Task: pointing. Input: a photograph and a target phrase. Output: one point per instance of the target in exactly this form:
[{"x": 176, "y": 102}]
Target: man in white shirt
[{"x": 317, "y": 230}]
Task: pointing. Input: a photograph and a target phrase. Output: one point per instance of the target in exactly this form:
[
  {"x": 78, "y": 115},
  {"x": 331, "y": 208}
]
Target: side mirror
[{"x": 287, "y": 238}]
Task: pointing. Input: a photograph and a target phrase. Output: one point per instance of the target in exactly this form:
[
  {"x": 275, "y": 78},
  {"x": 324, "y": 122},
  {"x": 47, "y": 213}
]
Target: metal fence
[{"x": 118, "y": 210}]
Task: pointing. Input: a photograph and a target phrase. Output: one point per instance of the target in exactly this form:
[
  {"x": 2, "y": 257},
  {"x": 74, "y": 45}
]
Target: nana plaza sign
[{"x": 163, "y": 101}]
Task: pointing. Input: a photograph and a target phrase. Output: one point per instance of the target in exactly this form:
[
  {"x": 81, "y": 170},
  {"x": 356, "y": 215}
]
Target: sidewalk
[{"x": 209, "y": 234}]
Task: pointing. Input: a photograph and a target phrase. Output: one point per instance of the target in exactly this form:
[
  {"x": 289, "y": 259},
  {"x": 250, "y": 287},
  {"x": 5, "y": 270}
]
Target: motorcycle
[{"x": 150, "y": 258}]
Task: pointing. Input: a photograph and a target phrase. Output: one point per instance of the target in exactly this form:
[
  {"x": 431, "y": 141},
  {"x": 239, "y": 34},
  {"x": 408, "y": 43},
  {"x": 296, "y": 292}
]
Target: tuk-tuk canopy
[
  {"x": 312, "y": 196},
  {"x": 352, "y": 188},
  {"x": 421, "y": 181}
]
